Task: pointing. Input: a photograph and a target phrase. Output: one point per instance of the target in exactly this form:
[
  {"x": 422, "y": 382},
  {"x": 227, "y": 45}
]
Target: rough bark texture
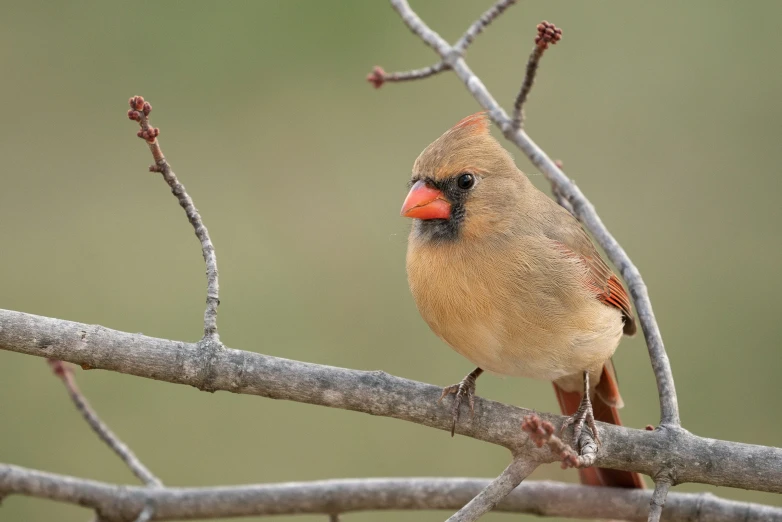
[
  {"x": 123, "y": 503},
  {"x": 691, "y": 458}
]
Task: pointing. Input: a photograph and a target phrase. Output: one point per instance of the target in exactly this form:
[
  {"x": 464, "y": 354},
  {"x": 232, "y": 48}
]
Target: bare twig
[
  {"x": 378, "y": 393},
  {"x": 582, "y": 208},
  {"x": 542, "y": 432},
  {"x": 657, "y": 502},
  {"x": 123, "y": 503},
  {"x": 548, "y": 33},
  {"x": 479, "y": 25},
  {"x": 65, "y": 374},
  {"x": 495, "y": 491},
  {"x": 139, "y": 111},
  {"x": 378, "y": 76}
]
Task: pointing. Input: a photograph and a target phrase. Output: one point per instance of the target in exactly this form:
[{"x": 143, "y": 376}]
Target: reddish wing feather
[{"x": 606, "y": 286}]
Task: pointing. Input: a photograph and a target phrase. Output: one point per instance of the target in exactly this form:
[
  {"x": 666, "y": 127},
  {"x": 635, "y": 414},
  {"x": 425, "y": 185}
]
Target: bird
[{"x": 511, "y": 281}]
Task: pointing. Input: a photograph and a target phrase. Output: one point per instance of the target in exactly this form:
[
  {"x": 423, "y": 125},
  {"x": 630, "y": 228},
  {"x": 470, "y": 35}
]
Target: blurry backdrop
[{"x": 667, "y": 115}]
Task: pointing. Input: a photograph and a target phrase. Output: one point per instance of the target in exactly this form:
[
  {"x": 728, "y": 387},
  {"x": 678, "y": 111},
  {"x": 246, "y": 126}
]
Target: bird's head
[{"x": 463, "y": 185}]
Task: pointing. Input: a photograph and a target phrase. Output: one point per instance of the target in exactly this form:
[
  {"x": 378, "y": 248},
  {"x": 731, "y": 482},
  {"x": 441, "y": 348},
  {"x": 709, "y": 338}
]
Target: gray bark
[{"x": 125, "y": 503}]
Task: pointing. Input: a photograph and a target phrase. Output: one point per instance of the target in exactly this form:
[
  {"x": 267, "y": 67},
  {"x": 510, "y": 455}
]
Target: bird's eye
[{"x": 465, "y": 181}]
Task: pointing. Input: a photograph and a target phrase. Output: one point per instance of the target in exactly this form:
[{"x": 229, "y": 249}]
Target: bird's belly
[{"x": 539, "y": 352}]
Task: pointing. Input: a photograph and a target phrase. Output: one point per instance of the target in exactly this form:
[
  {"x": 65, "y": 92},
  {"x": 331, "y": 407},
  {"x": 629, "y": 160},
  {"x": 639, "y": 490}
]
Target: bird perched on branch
[{"x": 511, "y": 281}]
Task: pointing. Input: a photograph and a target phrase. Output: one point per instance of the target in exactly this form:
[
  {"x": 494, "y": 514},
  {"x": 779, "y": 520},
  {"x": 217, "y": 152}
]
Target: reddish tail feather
[{"x": 604, "y": 405}]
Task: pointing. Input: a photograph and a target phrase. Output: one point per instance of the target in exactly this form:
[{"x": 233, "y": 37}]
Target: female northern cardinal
[{"x": 510, "y": 280}]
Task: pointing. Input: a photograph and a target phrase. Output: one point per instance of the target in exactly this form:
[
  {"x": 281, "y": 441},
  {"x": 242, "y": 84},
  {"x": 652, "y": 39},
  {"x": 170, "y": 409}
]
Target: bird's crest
[{"x": 474, "y": 124}]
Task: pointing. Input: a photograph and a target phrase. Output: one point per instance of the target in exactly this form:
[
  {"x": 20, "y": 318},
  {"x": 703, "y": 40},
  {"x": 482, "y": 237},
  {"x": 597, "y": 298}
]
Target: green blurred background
[{"x": 666, "y": 114}]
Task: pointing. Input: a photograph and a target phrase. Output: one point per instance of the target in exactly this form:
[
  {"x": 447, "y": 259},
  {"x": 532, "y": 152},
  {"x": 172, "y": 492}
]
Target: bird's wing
[{"x": 601, "y": 280}]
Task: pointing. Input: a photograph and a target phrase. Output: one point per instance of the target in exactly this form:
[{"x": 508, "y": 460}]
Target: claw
[
  {"x": 584, "y": 415},
  {"x": 466, "y": 388}
]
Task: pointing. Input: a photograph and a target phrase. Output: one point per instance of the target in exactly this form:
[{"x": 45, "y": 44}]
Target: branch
[
  {"x": 495, "y": 491},
  {"x": 378, "y": 76},
  {"x": 479, "y": 25},
  {"x": 583, "y": 209},
  {"x": 694, "y": 459},
  {"x": 123, "y": 503},
  {"x": 139, "y": 111},
  {"x": 98, "y": 426},
  {"x": 547, "y": 34},
  {"x": 657, "y": 502}
]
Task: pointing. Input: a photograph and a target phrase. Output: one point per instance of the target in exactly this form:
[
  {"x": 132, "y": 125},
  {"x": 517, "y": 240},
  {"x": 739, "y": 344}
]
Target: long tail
[{"x": 605, "y": 405}]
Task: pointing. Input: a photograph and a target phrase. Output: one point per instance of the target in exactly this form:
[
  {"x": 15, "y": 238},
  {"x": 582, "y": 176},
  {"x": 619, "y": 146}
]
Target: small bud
[
  {"x": 377, "y": 77},
  {"x": 147, "y": 108},
  {"x": 140, "y": 134}
]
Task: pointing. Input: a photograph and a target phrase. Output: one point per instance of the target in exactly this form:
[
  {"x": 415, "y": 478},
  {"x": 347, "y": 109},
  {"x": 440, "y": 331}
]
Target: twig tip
[
  {"x": 377, "y": 77},
  {"x": 548, "y": 33}
]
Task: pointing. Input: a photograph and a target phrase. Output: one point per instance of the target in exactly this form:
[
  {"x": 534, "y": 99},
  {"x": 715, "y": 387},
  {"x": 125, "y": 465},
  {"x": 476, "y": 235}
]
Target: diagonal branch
[
  {"x": 495, "y": 491},
  {"x": 480, "y": 24},
  {"x": 123, "y": 503},
  {"x": 139, "y": 111},
  {"x": 730, "y": 464},
  {"x": 143, "y": 473}
]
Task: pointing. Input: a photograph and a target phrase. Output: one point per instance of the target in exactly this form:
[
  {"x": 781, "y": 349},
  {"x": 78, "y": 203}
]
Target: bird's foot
[
  {"x": 462, "y": 390},
  {"x": 585, "y": 415}
]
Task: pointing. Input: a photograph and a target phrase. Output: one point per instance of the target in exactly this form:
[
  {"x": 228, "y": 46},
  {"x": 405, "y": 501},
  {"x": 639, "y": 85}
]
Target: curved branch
[
  {"x": 139, "y": 111},
  {"x": 692, "y": 458},
  {"x": 124, "y": 503}
]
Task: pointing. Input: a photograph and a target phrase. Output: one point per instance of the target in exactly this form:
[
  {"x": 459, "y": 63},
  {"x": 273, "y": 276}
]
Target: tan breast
[{"x": 517, "y": 308}]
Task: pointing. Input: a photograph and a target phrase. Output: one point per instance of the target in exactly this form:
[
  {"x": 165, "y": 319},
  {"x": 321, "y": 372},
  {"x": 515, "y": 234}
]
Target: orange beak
[{"x": 424, "y": 202}]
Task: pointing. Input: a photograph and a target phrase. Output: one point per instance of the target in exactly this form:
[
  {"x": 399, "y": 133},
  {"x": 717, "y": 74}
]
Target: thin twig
[
  {"x": 378, "y": 76},
  {"x": 139, "y": 111},
  {"x": 583, "y": 209},
  {"x": 65, "y": 374},
  {"x": 495, "y": 491},
  {"x": 656, "y": 504},
  {"x": 479, "y": 25},
  {"x": 542, "y": 432},
  {"x": 548, "y": 33}
]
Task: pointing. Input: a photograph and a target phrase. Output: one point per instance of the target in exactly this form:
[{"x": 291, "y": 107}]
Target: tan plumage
[{"x": 511, "y": 281}]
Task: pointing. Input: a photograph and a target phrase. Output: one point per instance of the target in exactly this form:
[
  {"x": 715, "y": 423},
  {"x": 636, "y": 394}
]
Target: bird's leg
[
  {"x": 466, "y": 388},
  {"x": 585, "y": 414}
]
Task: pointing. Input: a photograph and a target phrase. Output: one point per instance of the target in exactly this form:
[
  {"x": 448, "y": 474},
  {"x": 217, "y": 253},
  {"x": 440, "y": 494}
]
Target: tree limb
[
  {"x": 692, "y": 458},
  {"x": 124, "y": 503}
]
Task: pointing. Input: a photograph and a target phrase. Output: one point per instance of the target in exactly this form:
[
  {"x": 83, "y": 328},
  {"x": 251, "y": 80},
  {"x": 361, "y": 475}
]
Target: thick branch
[
  {"x": 692, "y": 458},
  {"x": 669, "y": 408},
  {"x": 124, "y": 503}
]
